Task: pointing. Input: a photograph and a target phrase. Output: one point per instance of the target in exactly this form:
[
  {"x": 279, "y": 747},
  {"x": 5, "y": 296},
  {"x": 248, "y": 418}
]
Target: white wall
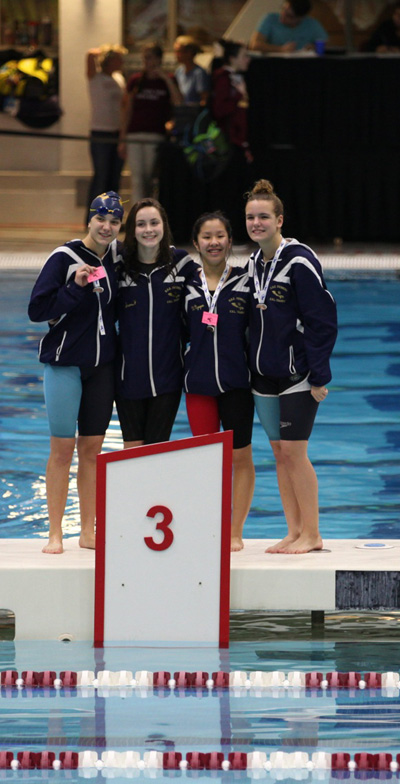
[{"x": 247, "y": 19}]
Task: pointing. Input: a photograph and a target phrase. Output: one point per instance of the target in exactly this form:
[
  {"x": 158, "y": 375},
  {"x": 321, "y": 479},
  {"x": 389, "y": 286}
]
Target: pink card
[
  {"x": 97, "y": 274},
  {"x": 209, "y": 318}
]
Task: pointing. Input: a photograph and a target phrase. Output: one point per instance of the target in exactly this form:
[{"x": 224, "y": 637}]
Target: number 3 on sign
[{"x": 162, "y": 526}]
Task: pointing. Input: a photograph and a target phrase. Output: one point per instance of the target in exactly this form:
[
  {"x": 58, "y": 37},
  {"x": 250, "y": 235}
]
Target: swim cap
[{"x": 109, "y": 202}]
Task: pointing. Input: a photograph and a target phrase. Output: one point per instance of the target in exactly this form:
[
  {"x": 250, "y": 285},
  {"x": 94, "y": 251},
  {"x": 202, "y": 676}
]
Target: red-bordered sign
[{"x": 163, "y": 528}]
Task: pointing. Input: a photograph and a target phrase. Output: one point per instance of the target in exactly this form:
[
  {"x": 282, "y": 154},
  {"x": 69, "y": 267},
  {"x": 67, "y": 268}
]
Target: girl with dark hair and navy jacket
[
  {"x": 75, "y": 293},
  {"x": 149, "y": 306},
  {"x": 217, "y": 379},
  {"x": 293, "y": 327}
]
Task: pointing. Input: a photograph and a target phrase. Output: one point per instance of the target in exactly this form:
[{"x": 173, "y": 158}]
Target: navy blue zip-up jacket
[
  {"x": 149, "y": 312},
  {"x": 216, "y": 361},
  {"x": 77, "y": 315},
  {"x": 297, "y": 331}
]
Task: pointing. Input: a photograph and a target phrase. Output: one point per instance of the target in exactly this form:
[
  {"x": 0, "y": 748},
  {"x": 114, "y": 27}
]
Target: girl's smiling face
[
  {"x": 213, "y": 243},
  {"x": 103, "y": 229},
  {"x": 262, "y": 224},
  {"x": 149, "y": 228}
]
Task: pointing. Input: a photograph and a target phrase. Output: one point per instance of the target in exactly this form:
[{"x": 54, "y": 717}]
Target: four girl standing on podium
[{"x": 280, "y": 295}]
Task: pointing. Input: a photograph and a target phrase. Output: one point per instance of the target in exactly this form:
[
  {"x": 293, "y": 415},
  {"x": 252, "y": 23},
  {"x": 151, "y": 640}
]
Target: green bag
[{"x": 206, "y": 147}]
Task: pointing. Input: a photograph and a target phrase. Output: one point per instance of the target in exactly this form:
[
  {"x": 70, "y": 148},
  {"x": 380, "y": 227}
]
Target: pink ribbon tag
[
  {"x": 97, "y": 274},
  {"x": 209, "y": 318}
]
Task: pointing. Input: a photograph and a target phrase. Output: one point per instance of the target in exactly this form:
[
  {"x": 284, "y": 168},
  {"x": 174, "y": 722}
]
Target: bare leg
[
  {"x": 289, "y": 501},
  {"x": 88, "y": 449},
  {"x": 57, "y": 482},
  {"x": 128, "y": 444},
  {"x": 243, "y": 489},
  {"x": 305, "y": 488}
]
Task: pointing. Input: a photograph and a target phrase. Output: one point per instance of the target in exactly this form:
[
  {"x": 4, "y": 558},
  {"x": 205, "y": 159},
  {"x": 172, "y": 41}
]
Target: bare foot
[
  {"x": 279, "y": 546},
  {"x": 54, "y": 546},
  {"x": 87, "y": 541},
  {"x": 236, "y": 544},
  {"x": 304, "y": 544}
]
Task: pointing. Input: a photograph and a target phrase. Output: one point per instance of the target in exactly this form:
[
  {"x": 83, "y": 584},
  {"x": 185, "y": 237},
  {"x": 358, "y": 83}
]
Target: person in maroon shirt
[{"x": 147, "y": 107}]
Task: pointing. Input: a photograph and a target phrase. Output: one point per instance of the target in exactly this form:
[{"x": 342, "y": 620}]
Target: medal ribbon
[
  {"x": 98, "y": 290},
  {"x": 261, "y": 294},
  {"x": 212, "y": 301}
]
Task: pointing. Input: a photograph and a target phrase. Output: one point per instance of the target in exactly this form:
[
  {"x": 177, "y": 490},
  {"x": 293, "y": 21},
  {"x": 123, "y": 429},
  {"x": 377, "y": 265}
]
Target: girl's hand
[
  {"x": 82, "y": 274},
  {"x": 319, "y": 393}
]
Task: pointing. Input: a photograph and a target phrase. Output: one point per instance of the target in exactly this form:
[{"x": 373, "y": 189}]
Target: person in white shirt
[{"x": 106, "y": 88}]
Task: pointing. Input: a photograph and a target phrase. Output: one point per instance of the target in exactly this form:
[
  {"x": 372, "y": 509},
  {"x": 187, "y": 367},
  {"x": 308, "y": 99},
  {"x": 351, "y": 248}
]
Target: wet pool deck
[{"x": 52, "y": 596}]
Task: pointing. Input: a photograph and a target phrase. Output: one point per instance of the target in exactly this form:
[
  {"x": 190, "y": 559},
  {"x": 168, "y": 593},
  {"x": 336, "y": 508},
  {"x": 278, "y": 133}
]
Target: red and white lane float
[
  {"x": 237, "y": 680},
  {"x": 286, "y": 763}
]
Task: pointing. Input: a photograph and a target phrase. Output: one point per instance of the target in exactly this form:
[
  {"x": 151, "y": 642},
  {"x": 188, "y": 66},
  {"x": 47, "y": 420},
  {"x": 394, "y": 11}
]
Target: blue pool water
[{"x": 355, "y": 446}]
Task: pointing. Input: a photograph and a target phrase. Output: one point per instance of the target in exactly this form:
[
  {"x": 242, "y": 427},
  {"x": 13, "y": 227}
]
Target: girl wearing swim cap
[{"x": 75, "y": 293}]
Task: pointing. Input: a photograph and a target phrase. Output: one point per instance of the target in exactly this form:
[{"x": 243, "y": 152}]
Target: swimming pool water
[
  {"x": 200, "y": 720},
  {"x": 355, "y": 445}
]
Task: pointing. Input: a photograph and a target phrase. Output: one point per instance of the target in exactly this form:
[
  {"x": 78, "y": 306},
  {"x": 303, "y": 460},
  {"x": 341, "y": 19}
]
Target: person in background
[
  {"x": 217, "y": 379},
  {"x": 147, "y": 106},
  {"x": 229, "y": 107},
  {"x": 288, "y": 31},
  {"x": 193, "y": 81},
  {"x": 149, "y": 307},
  {"x": 106, "y": 88},
  {"x": 75, "y": 293},
  {"x": 292, "y": 332},
  {"x": 386, "y": 38}
]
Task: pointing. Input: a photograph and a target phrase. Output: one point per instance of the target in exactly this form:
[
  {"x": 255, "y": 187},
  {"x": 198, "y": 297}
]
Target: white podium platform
[{"x": 53, "y": 595}]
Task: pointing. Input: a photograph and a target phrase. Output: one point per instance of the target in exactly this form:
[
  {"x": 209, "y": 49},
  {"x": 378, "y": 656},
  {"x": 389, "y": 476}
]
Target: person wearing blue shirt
[
  {"x": 288, "y": 31},
  {"x": 193, "y": 81}
]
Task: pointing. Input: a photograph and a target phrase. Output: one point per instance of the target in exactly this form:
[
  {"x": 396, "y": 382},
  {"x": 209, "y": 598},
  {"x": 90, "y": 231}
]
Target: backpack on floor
[{"x": 206, "y": 147}]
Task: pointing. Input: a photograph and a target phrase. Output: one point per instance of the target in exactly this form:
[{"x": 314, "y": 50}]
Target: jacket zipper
[{"x": 60, "y": 347}]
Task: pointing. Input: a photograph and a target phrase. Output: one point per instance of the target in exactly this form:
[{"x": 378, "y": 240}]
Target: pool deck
[
  {"x": 25, "y": 247},
  {"x": 53, "y": 596}
]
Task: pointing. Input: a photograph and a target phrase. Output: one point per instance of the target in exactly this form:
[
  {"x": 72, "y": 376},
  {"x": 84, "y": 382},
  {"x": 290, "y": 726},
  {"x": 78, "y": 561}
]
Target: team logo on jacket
[
  {"x": 277, "y": 293},
  {"x": 237, "y": 305},
  {"x": 173, "y": 293}
]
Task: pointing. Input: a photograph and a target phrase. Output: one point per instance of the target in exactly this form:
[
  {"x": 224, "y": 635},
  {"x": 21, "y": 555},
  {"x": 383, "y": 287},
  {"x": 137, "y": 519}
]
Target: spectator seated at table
[
  {"x": 386, "y": 37},
  {"x": 288, "y": 31}
]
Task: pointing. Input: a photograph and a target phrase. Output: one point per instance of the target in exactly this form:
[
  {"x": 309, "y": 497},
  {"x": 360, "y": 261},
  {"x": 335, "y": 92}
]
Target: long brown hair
[{"x": 130, "y": 248}]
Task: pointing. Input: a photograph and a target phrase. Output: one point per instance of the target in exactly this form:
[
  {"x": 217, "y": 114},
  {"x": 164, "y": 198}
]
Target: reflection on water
[{"x": 336, "y": 626}]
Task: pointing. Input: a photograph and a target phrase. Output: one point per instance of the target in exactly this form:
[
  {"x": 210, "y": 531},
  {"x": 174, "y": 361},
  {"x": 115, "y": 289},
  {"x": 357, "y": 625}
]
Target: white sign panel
[{"x": 163, "y": 542}]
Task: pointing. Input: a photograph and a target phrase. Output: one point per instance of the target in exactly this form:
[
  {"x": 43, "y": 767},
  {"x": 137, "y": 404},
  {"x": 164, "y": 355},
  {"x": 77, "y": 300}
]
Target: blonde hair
[
  {"x": 263, "y": 189},
  {"x": 108, "y": 51},
  {"x": 188, "y": 42}
]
